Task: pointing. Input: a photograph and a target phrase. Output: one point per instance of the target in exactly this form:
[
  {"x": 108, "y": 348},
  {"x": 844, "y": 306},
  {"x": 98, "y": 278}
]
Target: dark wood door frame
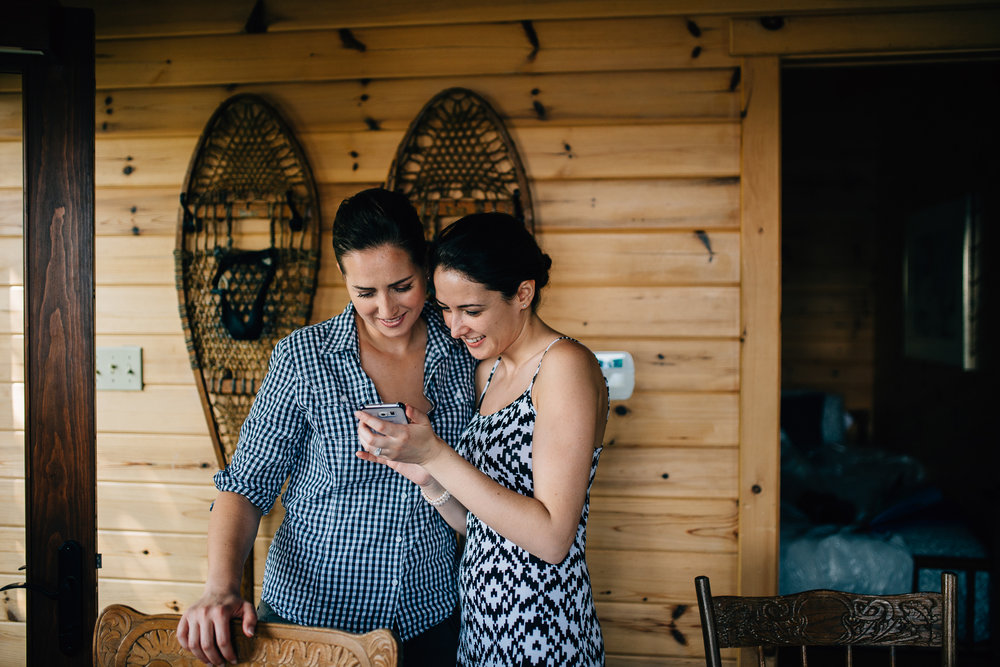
[{"x": 56, "y": 61}]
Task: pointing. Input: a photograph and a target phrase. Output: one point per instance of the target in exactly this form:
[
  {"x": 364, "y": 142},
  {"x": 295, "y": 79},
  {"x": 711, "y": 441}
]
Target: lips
[
  {"x": 473, "y": 342},
  {"x": 393, "y": 323}
]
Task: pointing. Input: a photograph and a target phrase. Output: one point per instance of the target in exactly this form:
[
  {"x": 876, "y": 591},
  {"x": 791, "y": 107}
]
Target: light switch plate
[
  {"x": 119, "y": 368},
  {"x": 619, "y": 369}
]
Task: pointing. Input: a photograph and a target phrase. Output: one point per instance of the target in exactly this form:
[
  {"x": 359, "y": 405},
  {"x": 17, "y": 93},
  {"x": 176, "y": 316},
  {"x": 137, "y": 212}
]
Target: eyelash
[{"x": 400, "y": 290}]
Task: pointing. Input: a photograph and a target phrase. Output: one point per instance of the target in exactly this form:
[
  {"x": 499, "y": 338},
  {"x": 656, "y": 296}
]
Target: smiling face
[
  {"x": 479, "y": 317},
  {"x": 386, "y": 288}
]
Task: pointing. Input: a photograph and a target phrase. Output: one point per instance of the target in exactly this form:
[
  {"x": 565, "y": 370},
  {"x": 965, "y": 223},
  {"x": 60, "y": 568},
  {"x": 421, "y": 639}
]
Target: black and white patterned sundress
[{"x": 518, "y": 610}]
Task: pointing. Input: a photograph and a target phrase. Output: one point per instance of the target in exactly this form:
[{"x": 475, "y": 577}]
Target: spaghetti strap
[
  {"x": 482, "y": 395},
  {"x": 546, "y": 351}
]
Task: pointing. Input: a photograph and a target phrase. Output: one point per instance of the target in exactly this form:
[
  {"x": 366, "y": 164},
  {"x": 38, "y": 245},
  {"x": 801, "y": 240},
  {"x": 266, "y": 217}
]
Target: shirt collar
[{"x": 343, "y": 335}]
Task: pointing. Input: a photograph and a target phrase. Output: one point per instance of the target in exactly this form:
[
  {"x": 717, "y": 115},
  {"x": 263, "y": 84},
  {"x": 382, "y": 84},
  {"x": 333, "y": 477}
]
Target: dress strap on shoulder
[
  {"x": 482, "y": 395},
  {"x": 546, "y": 351}
]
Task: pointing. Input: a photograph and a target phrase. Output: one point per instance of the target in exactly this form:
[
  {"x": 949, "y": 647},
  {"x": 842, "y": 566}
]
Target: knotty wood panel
[
  {"x": 12, "y": 644},
  {"x": 662, "y": 524},
  {"x": 702, "y": 150},
  {"x": 154, "y": 458},
  {"x": 647, "y": 312},
  {"x": 655, "y": 418},
  {"x": 760, "y": 306},
  {"x": 640, "y": 258},
  {"x": 652, "y": 629},
  {"x": 610, "y": 259},
  {"x": 613, "y": 44},
  {"x": 150, "y": 597},
  {"x": 896, "y": 32},
  {"x": 668, "y": 578},
  {"x": 683, "y": 203},
  {"x": 191, "y": 17},
  {"x": 667, "y": 472},
  {"x": 523, "y": 100},
  {"x": 678, "y": 365},
  {"x": 11, "y": 358},
  {"x": 631, "y": 630},
  {"x": 156, "y": 409},
  {"x": 651, "y": 203},
  {"x": 11, "y": 550}
]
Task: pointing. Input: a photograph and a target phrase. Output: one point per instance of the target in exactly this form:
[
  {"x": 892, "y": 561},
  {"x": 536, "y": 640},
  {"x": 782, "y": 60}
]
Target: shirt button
[
  {"x": 403, "y": 495},
  {"x": 343, "y": 398},
  {"x": 394, "y": 582},
  {"x": 399, "y": 538}
]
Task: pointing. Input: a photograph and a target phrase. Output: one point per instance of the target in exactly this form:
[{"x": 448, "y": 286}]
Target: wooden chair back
[
  {"x": 125, "y": 636},
  {"x": 829, "y": 618}
]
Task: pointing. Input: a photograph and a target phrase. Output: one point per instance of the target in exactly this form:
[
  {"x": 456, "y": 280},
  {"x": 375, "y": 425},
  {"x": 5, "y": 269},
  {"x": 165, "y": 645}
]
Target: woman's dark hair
[
  {"x": 378, "y": 217},
  {"x": 494, "y": 250}
]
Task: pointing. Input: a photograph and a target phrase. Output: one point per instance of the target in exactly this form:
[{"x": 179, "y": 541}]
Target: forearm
[
  {"x": 524, "y": 521},
  {"x": 232, "y": 527},
  {"x": 451, "y": 510}
]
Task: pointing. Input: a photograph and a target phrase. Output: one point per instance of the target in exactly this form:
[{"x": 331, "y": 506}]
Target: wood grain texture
[
  {"x": 759, "y": 479},
  {"x": 612, "y": 44}
]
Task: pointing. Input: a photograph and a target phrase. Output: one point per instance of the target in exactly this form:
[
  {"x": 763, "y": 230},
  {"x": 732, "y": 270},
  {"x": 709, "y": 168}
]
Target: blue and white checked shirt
[{"x": 358, "y": 548}]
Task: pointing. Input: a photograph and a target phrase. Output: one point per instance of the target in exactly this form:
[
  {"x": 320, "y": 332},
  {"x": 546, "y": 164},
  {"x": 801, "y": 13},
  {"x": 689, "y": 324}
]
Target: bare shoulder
[{"x": 570, "y": 363}]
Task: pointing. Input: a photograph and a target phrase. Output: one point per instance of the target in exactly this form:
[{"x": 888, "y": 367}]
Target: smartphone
[{"x": 390, "y": 412}]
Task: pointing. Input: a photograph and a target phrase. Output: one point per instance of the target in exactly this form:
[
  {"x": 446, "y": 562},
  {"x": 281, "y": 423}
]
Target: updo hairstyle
[{"x": 494, "y": 250}]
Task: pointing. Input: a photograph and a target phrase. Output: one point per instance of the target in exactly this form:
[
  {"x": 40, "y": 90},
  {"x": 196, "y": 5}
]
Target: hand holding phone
[{"x": 389, "y": 412}]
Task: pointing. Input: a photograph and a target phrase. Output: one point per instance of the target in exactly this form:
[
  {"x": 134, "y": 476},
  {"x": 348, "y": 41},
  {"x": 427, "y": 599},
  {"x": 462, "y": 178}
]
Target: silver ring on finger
[{"x": 378, "y": 452}]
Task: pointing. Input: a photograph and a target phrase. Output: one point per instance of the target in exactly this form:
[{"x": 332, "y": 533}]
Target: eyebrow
[{"x": 395, "y": 284}]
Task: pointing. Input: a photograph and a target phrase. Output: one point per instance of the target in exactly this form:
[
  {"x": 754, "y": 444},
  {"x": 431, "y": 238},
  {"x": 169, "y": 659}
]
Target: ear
[{"x": 525, "y": 294}]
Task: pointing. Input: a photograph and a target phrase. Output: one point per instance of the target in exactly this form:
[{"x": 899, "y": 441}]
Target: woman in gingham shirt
[{"x": 358, "y": 548}]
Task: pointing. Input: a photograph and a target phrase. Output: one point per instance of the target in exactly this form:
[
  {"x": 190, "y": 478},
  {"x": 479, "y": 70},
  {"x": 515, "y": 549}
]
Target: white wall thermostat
[{"x": 619, "y": 369}]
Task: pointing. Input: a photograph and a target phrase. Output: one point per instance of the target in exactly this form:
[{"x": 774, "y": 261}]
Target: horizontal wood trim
[
  {"x": 149, "y": 597},
  {"x": 658, "y": 203},
  {"x": 170, "y": 508},
  {"x": 657, "y": 419},
  {"x": 668, "y": 578},
  {"x": 13, "y": 644},
  {"x": 897, "y": 32},
  {"x": 642, "y": 258},
  {"x": 12, "y": 555},
  {"x": 156, "y": 458},
  {"x": 652, "y": 629},
  {"x": 691, "y": 472},
  {"x": 662, "y": 524},
  {"x": 655, "y": 203},
  {"x": 11, "y": 358},
  {"x": 621, "y": 259},
  {"x": 166, "y": 409},
  {"x": 678, "y": 365},
  {"x": 190, "y": 17},
  {"x": 561, "y": 98},
  {"x": 647, "y": 312},
  {"x": 701, "y": 150},
  {"x": 613, "y": 44}
]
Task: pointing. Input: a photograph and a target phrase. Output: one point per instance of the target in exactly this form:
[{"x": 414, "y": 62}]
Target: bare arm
[
  {"x": 571, "y": 405},
  {"x": 204, "y": 626}
]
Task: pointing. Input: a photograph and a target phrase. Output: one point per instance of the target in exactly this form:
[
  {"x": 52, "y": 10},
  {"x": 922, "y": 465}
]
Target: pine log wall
[{"x": 629, "y": 126}]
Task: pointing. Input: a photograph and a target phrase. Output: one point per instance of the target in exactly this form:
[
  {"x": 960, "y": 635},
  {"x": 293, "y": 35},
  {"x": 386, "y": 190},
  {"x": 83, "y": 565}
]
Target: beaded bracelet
[{"x": 437, "y": 502}]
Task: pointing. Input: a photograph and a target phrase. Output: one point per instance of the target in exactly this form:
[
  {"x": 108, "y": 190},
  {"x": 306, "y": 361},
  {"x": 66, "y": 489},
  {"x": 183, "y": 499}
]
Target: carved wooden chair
[
  {"x": 829, "y": 618},
  {"x": 125, "y": 636}
]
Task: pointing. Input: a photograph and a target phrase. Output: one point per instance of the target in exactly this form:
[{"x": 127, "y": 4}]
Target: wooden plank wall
[{"x": 629, "y": 128}]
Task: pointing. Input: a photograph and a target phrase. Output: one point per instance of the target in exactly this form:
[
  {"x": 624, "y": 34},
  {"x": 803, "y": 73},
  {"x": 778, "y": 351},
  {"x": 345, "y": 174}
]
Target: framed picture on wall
[{"x": 940, "y": 283}]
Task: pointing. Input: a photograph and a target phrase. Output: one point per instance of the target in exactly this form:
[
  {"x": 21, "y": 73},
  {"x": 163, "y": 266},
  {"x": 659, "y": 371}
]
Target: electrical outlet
[{"x": 119, "y": 368}]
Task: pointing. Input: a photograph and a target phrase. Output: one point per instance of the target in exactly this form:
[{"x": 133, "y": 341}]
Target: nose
[
  {"x": 454, "y": 323},
  {"x": 386, "y": 304}
]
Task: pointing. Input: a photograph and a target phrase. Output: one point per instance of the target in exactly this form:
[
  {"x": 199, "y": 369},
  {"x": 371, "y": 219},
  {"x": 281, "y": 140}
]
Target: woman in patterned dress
[{"x": 518, "y": 483}]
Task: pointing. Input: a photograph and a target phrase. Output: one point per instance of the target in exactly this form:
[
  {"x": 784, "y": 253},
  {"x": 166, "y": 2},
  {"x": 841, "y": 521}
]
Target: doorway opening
[{"x": 888, "y": 456}]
